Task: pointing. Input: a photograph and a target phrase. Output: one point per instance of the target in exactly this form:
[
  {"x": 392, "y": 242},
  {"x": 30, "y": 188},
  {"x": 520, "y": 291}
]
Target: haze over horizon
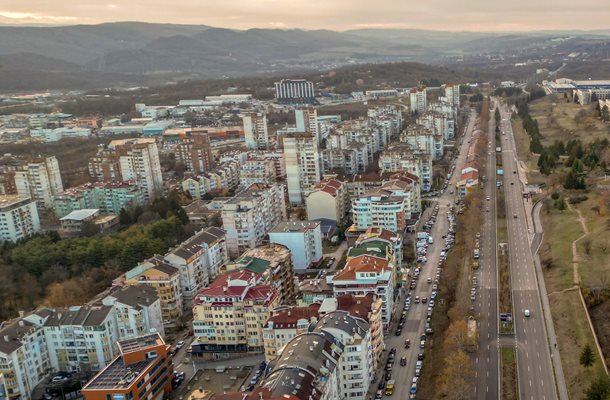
[{"x": 443, "y": 15}]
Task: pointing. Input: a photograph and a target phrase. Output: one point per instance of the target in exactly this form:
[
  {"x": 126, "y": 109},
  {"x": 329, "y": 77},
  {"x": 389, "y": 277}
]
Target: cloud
[
  {"x": 25, "y": 17},
  {"x": 277, "y": 25}
]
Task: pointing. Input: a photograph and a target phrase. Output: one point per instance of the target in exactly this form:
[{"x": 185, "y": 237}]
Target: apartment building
[
  {"x": 450, "y": 116},
  {"x": 336, "y": 160},
  {"x": 284, "y": 324},
  {"x": 452, "y": 93},
  {"x": 379, "y": 242},
  {"x": 329, "y": 199},
  {"x": 368, "y": 308},
  {"x": 379, "y": 208},
  {"x": 255, "y": 131},
  {"x": 303, "y": 170},
  {"x": 303, "y": 239},
  {"x": 356, "y": 362},
  {"x": 295, "y": 91},
  {"x": 130, "y": 159},
  {"x": 137, "y": 310},
  {"x": 250, "y": 215},
  {"x": 308, "y": 368},
  {"x": 18, "y": 217},
  {"x": 196, "y": 266},
  {"x": 273, "y": 264},
  {"x": 81, "y": 337},
  {"x": 401, "y": 158},
  {"x": 307, "y": 121},
  {"x": 24, "y": 359},
  {"x": 418, "y": 100},
  {"x": 87, "y": 220},
  {"x": 165, "y": 278},
  {"x": 108, "y": 197},
  {"x": 424, "y": 140},
  {"x": 228, "y": 316},
  {"x": 314, "y": 291},
  {"x": 195, "y": 153},
  {"x": 366, "y": 274},
  {"x": 40, "y": 179},
  {"x": 142, "y": 370},
  {"x": 257, "y": 171}
]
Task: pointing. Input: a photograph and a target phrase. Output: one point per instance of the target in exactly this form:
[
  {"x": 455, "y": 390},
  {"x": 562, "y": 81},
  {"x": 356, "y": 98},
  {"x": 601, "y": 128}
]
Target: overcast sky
[{"x": 473, "y": 15}]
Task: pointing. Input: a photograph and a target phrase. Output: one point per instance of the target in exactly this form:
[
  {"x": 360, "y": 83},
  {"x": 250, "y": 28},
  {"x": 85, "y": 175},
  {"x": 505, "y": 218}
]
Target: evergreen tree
[
  {"x": 587, "y": 357},
  {"x": 599, "y": 389}
]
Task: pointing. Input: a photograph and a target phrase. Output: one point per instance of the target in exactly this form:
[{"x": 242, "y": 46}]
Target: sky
[{"x": 454, "y": 15}]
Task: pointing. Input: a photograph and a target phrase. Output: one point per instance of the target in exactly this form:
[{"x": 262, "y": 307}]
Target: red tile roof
[
  {"x": 357, "y": 306},
  {"x": 362, "y": 263},
  {"x": 288, "y": 318}
]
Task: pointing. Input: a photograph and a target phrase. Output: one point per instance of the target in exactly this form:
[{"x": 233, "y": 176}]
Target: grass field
[
  {"x": 509, "y": 374},
  {"x": 560, "y": 120}
]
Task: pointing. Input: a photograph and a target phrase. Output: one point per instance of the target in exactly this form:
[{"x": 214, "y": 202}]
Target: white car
[
  {"x": 527, "y": 312},
  {"x": 179, "y": 345}
]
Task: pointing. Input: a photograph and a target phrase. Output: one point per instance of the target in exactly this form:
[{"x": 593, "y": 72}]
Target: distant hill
[{"x": 133, "y": 52}]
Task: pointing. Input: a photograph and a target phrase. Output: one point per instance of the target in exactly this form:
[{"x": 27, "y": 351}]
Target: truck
[{"x": 389, "y": 387}]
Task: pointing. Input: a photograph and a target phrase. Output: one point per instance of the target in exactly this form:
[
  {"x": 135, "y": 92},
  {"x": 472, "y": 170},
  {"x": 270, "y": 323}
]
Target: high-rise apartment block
[
  {"x": 419, "y": 101},
  {"x": 18, "y": 217},
  {"x": 329, "y": 199},
  {"x": 251, "y": 214},
  {"x": 130, "y": 159},
  {"x": 195, "y": 153},
  {"x": 302, "y": 165},
  {"x": 303, "y": 239},
  {"x": 295, "y": 91},
  {"x": 307, "y": 121},
  {"x": 255, "y": 131},
  {"x": 38, "y": 178},
  {"x": 452, "y": 93},
  {"x": 108, "y": 197}
]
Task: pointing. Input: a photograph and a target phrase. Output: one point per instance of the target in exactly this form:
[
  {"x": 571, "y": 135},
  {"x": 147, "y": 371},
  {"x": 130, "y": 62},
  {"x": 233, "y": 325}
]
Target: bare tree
[{"x": 587, "y": 246}]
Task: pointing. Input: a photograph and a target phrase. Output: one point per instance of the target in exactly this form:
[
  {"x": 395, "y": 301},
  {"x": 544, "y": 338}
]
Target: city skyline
[{"x": 477, "y": 15}]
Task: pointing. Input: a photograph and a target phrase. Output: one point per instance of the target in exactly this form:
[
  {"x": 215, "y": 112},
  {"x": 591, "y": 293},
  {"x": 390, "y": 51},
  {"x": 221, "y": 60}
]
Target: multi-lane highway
[
  {"x": 417, "y": 315},
  {"x": 534, "y": 368},
  {"x": 487, "y": 364}
]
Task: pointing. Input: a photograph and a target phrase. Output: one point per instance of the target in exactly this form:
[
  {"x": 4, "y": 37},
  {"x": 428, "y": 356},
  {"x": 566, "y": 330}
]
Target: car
[
  {"x": 416, "y": 299},
  {"x": 398, "y": 332},
  {"x": 179, "y": 374},
  {"x": 424, "y": 300},
  {"x": 403, "y": 361},
  {"x": 407, "y": 343},
  {"x": 180, "y": 345},
  {"x": 388, "y": 376},
  {"x": 512, "y": 183},
  {"x": 514, "y": 172},
  {"x": 59, "y": 379},
  {"x": 47, "y": 396},
  {"x": 527, "y": 312},
  {"x": 488, "y": 198},
  {"x": 379, "y": 395},
  {"x": 381, "y": 385},
  {"x": 420, "y": 357},
  {"x": 418, "y": 372},
  {"x": 429, "y": 331},
  {"x": 422, "y": 344},
  {"x": 429, "y": 280},
  {"x": 393, "y": 351},
  {"x": 515, "y": 216},
  {"x": 413, "y": 389}
]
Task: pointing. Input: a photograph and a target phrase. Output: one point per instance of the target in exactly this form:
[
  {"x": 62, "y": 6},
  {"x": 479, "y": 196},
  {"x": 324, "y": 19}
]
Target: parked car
[{"x": 180, "y": 345}]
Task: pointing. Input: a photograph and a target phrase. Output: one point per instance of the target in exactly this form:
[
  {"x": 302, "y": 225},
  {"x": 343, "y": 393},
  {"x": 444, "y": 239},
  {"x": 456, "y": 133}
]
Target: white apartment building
[
  {"x": 139, "y": 161},
  {"x": 39, "y": 179},
  {"x": 329, "y": 199},
  {"x": 307, "y": 121},
  {"x": 379, "y": 208},
  {"x": 356, "y": 362},
  {"x": 137, "y": 310},
  {"x": 81, "y": 337},
  {"x": 197, "y": 267},
  {"x": 450, "y": 116},
  {"x": 295, "y": 91},
  {"x": 402, "y": 158},
  {"x": 257, "y": 171},
  {"x": 452, "y": 93},
  {"x": 419, "y": 100},
  {"x": 302, "y": 238},
  {"x": 333, "y": 160},
  {"x": 255, "y": 131},
  {"x": 366, "y": 274},
  {"x": 18, "y": 217},
  {"x": 424, "y": 140},
  {"x": 284, "y": 324},
  {"x": 303, "y": 170},
  {"x": 24, "y": 359},
  {"x": 250, "y": 215}
]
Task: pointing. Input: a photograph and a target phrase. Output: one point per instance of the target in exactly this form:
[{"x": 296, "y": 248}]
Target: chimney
[
  {"x": 21, "y": 313},
  {"x": 224, "y": 289},
  {"x": 6, "y": 338}
]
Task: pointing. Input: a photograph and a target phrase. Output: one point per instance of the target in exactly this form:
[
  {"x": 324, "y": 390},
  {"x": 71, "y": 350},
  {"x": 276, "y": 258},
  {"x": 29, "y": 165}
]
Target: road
[
  {"x": 487, "y": 365},
  {"x": 534, "y": 368},
  {"x": 416, "y": 318}
]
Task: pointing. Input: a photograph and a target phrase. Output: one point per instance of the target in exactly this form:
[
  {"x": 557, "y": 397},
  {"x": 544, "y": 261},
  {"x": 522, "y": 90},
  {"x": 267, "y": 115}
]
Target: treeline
[
  {"x": 45, "y": 269},
  {"x": 575, "y": 155}
]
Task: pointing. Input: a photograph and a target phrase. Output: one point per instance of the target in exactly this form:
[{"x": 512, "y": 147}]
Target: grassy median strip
[
  {"x": 504, "y": 286},
  {"x": 509, "y": 373}
]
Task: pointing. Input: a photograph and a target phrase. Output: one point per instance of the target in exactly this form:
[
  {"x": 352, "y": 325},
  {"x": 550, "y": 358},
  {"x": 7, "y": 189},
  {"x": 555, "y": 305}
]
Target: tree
[
  {"x": 497, "y": 115},
  {"x": 605, "y": 114},
  {"x": 457, "y": 335},
  {"x": 586, "y": 244},
  {"x": 599, "y": 389},
  {"x": 457, "y": 377},
  {"x": 587, "y": 357},
  {"x": 124, "y": 217}
]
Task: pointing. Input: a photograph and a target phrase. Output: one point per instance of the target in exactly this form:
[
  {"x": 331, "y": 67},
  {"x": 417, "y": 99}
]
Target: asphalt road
[
  {"x": 535, "y": 372},
  {"x": 416, "y": 317},
  {"x": 486, "y": 362}
]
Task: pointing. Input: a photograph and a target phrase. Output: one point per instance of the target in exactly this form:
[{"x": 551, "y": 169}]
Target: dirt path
[{"x": 575, "y": 256}]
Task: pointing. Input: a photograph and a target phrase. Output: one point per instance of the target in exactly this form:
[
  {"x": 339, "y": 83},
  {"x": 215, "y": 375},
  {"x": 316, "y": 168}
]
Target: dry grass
[
  {"x": 509, "y": 374},
  {"x": 573, "y": 333},
  {"x": 558, "y": 120}
]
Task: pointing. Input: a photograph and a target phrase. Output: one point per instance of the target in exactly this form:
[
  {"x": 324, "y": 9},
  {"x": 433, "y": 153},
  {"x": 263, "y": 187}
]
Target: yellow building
[
  {"x": 228, "y": 316},
  {"x": 156, "y": 272}
]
